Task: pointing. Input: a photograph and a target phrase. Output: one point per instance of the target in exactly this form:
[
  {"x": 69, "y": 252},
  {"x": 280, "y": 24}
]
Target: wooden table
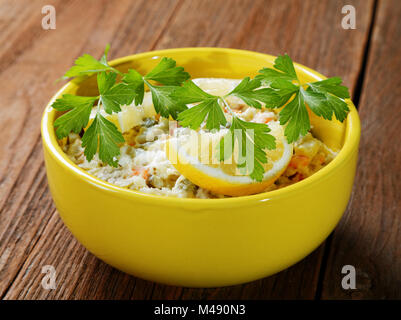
[{"x": 367, "y": 58}]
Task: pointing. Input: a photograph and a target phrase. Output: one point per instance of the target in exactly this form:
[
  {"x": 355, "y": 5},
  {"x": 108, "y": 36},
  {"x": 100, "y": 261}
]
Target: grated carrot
[
  {"x": 141, "y": 172},
  {"x": 299, "y": 161}
]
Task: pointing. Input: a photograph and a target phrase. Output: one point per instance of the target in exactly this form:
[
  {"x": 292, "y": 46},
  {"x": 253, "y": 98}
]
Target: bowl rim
[{"x": 351, "y": 142}]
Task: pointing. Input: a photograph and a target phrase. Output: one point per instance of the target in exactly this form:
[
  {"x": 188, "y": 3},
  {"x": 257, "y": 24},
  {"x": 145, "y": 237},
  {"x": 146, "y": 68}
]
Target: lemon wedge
[{"x": 191, "y": 153}]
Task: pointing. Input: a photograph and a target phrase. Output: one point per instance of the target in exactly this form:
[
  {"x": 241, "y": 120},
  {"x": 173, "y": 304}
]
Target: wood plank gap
[
  {"x": 361, "y": 76},
  {"x": 323, "y": 267},
  {"x": 356, "y": 97},
  {"x": 369, "y": 236}
]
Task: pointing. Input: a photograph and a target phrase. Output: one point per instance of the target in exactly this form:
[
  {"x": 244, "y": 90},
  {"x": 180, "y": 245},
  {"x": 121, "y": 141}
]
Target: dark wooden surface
[{"x": 367, "y": 58}]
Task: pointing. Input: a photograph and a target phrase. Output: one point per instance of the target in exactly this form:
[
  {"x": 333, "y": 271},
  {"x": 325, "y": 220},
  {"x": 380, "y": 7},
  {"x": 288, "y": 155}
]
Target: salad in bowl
[{"x": 200, "y": 166}]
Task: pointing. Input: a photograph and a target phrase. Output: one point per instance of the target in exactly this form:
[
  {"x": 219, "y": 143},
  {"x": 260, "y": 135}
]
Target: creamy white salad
[{"x": 144, "y": 166}]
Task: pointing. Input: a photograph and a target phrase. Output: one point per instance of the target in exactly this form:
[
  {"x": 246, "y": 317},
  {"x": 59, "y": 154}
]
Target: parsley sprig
[
  {"x": 172, "y": 92},
  {"x": 274, "y": 87},
  {"x": 88, "y": 65},
  {"x": 210, "y": 109},
  {"x": 324, "y": 98},
  {"x": 102, "y": 136},
  {"x": 254, "y": 139}
]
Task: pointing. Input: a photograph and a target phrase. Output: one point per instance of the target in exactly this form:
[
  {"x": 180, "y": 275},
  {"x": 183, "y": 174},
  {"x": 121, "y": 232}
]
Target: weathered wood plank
[
  {"x": 309, "y": 31},
  {"x": 369, "y": 237}
]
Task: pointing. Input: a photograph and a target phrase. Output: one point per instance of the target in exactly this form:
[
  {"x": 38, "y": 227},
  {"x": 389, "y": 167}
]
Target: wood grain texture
[
  {"x": 31, "y": 233},
  {"x": 369, "y": 238}
]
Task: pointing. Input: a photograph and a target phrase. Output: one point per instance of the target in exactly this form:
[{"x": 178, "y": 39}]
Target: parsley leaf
[
  {"x": 208, "y": 107},
  {"x": 105, "y": 80},
  {"x": 324, "y": 98},
  {"x": 104, "y": 136},
  {"x": 316, "y": 102},
  {"x": 285, "y": 64},
  {"x": 296, "y": 115},
  {"x": 334, "y": 93},
  {"x": 191, "y": 93},
  {"x": 246, "y": 90},
  {"x": 87, "y": 65},
  {"x": 167, "y": 73},
  {"x": 269, "y": 76},
  {"x": 285, "y": 91},
  {"x": 77, "y": 117},
  {"x": 253, "y": 139},
  {"x": 113, "y": 95},
  {"x": 331, "y": 85},
  {"x": 339, "y": 107},
  {"x": 135, "y": 80},
  {"x": 163, "y": 102}
]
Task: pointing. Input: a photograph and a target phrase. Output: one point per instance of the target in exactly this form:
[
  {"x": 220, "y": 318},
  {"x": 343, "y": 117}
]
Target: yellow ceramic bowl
[{"x": 197, "y": 242}]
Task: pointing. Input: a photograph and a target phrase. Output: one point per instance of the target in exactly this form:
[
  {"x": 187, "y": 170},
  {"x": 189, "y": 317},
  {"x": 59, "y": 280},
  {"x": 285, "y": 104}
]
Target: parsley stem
[
  {"x": 98, "y": 105},
  {"x": 227, "y": 106},
  {"x": 146, "y": 82},
  {"x": 235, "y": 116},
  {"x": 117, "y": 71}
]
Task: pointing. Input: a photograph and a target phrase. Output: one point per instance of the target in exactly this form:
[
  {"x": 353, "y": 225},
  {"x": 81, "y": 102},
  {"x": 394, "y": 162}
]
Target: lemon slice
[
  {"x": 192, "y": 155},
  {"x": 217, "y": 86}
]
